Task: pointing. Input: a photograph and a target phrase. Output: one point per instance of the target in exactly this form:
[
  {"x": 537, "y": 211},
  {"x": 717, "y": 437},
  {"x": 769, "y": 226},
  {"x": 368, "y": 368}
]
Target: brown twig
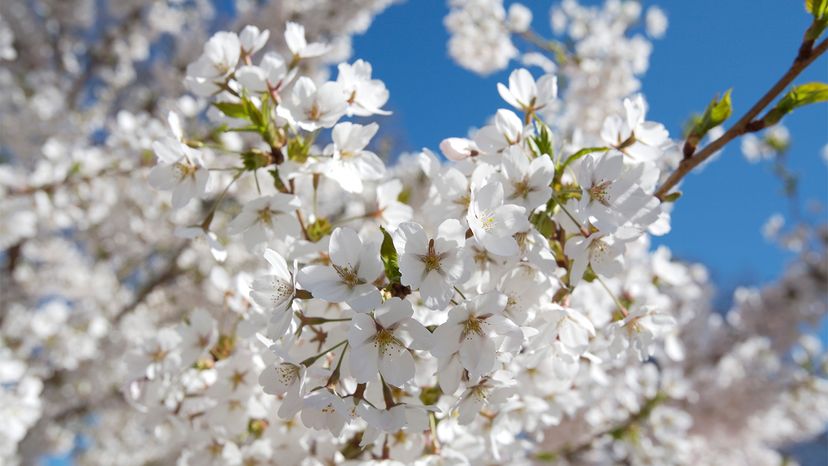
[{"x": 746, "y": 124}]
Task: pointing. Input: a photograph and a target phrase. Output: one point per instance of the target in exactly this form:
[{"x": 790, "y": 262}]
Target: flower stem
[
  {"x": 617, "y": 302},
  {"x": 746, "y": 124},
  {"x": 309, "y": 361}
]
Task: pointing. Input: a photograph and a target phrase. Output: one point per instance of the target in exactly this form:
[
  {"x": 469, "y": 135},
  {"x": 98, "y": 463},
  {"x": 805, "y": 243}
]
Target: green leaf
[
  {"x": 799, "y": 96},
  {"x": 255, "y": 159},
  {"x": 388, "y": 253},
  {"x": 277, "y": 180},
  {"x": 244, "y": 129},
  {"x": 818, "y": 8},
  {"x": 430, "y": 395},
  {"x": 319, "y": 229},
  {"x": 232, "y": 109},
  {"x": 717, "y": 111},
  {"x": 581, "y": 153},
  {"x": 298, "y": 149},
  {"x": 254, "y": 115},
  {"x": 543, "y": 141},
  {"x": 544, "y": 224}
]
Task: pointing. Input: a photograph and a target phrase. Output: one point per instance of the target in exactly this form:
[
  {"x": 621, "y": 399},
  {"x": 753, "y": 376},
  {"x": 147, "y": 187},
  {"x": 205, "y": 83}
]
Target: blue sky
[{"x": 711, "y": 45}]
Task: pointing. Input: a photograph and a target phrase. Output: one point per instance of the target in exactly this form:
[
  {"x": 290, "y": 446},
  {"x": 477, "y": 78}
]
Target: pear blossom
[
  {"x": 354, "y": 266},
  {"x": 526, "y": 94},
  {"x": 350, "y": 163},
  {"x": 613, "y": 197},
  {"x": 219, "y": 59},
  {"x": 506, "y": 131},
  {"x": 475, "y": 330},
  {"x": 526, "y": 183},
  {"x": 286, "y": 379},
  {"x": 519, "y": 17},
  {"x": 252, "y": 39},
  {"x": 198, "y": 336},
  {"x": 603, "y": 253},
  {"x": 264, "y": 217},
  {"x": 656, "y": 22},
  {"x": 524, "y": 287},
  {"x": 490, "y": 391},
  {"x": 271, "y": 75},
  {"x": 638, "y": 331},
  {"x": 180, "y": 170},
  {"x": 641, "y": 140},
  {"x": 458, "y": 148},
  {"x": 493, "y": 222},
  {"x": 390, "y": 211},
  {"x": 324, "y": 410},
  {"x": 311, "y": 108},
  {"x": 569, "y": 326},
  {"x": 452, "y": 195},
  {"x": 432, "y": 266},
  {"x": 158, "y": 355},
  {"x": 479, "y": 36},
  {"x": 390, "y": 421},
  {"x": 275, "y": 291},
  {"x": 381, "y": 344},
  {"x": 298, "y": 44},
  {"x": 365, "y": 96}
]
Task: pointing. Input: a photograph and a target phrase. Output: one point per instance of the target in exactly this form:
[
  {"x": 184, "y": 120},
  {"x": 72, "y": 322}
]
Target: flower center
[
  {"x": 281, "y": 290},
  {"x": 237, "y": 378},
  {"x": 184, "y": 170},
  {"x": 522, "y": 189},
  {"x": 348, "y": 275},
  {"x": 386, "y": 342},
  {"x": 481, "y": 257},
  {"x": 598, "y": 193},
  {"x": 487, "y": 220},
  {"x": 463, "y": 201},
  {"x": 431, "y": 259},
  {"x": 265, "y": 216},
  {"x": 287, "y": 373},
  {"x": 473, "y": 325},
  {"x": 158, "y": 355},
  {"x": 314, "y": 113}
]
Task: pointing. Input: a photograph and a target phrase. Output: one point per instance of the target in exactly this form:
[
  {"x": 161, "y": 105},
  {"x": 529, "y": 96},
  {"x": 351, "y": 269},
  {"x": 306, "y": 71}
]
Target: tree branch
[{"x": 746, "y": 124}]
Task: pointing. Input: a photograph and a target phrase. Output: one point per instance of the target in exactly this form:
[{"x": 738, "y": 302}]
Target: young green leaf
[
  {"x": 255, "y": 159},
  {"x": 716, "y": 113},
  {"x": 543, "y": 141},
  {"x": 388, "y": 253},
  {"x": 277, "y": 180},
  {"x": 797, "y": 97},
  {"x": 254, "y": 115},
  {"x": 818, "y": 8},
  {"x": 232, "y": 109},
  {"x": 579, "y": 154}
]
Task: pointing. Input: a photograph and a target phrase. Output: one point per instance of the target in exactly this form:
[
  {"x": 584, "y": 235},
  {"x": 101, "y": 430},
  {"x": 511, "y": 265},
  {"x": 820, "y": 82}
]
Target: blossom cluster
[{"x": 308, "y": 302}]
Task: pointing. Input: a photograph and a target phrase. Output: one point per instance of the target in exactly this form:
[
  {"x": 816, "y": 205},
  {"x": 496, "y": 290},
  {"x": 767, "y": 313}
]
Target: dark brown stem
[{"x": 745, "y": 124}]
